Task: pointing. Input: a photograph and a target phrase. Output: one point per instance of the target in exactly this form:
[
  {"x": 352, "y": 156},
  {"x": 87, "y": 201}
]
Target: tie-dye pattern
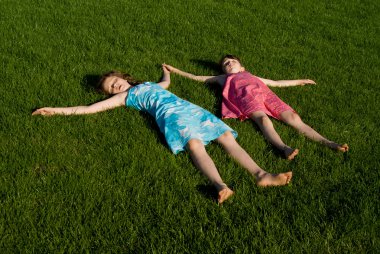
[{"x": 178, "y": 120}]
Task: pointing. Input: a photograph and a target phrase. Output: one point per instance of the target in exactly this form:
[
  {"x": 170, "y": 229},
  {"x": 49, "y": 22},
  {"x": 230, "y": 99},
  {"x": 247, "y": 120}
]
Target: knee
[
  {"x": 194, "y": 145},
  {"x": 226, "y": 136},
  {"x": 263, "y": 120},
  {"x": 293, "y": 119}
]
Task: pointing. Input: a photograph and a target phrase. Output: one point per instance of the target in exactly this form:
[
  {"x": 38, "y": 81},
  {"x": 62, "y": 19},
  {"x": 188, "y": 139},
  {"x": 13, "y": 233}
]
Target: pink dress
[{"x": 244, "y": 93}]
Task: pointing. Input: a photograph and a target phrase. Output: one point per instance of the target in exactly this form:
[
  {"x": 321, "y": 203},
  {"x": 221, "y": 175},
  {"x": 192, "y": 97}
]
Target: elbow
[
  {"x": 165, "y": 84},
  {"x": 273, "y": 84},
  {"x": 199, "y": 78}
]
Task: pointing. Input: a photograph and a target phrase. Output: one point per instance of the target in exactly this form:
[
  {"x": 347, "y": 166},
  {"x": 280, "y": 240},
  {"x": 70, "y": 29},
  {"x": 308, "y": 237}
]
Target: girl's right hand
[
  {"x": 44, "y": 112},
  {"x": 168, "y": 67},
  {"x": 165, "y": 69}
]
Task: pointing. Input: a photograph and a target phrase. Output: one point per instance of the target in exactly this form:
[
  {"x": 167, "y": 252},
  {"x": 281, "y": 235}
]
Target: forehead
[
  {"x": 107, "y": 84},
  {"x": 229, "y": 59},
  {"x": 108, "y": 81}
]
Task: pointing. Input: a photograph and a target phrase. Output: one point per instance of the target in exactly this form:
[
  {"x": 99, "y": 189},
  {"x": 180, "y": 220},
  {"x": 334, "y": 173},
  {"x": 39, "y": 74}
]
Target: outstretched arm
[
  {"x": 207, "y": 79},
  {"x": 286, "y": 83},
  {"x": 110, "y": 103}
]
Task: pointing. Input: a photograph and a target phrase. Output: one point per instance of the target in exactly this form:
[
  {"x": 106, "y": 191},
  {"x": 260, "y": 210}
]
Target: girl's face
[
  {"x": 231, "y": 66},
  {"x": 114, "y": 85}
]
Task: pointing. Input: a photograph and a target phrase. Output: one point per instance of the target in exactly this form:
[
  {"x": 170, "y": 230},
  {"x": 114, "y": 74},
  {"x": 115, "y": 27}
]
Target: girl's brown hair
[
  {"x": 125, "y": 76},
  {"x": 228, "y": 57}
]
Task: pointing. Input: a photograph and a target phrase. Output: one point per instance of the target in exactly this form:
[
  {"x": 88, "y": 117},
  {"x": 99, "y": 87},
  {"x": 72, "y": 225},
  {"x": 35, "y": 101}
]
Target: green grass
[{"x": 108, "y": 182}]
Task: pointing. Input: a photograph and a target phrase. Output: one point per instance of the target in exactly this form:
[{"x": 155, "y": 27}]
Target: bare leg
[
  {"x": 263, "y": 178},
  {"x": 266, "y": 126},
  {"x": 205, "y": 164},
  {"x": 294, "y": 120}
]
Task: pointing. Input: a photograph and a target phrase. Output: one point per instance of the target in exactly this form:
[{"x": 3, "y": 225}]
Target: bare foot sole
[
  {"x": 274, "y": 179},
  {"x": 224, "y": 194},
  {"x": 291, "y": 154}
]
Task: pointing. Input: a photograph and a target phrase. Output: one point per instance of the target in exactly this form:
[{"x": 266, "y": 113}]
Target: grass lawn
[{"x": 109, "y": 183}]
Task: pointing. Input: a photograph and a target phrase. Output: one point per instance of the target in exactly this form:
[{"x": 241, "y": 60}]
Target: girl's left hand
[
  {"x": 165, "y": 69},
  {"x": 44, "y": 112},
  {"x": 307, "y": 82}
]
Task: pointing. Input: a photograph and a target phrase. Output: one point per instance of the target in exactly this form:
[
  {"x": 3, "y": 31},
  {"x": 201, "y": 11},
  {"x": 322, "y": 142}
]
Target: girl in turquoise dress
[{"x": 185, "y": 126}]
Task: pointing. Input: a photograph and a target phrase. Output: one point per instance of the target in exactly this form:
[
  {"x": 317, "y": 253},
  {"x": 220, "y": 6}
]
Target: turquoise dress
[{"x": 178, "y": 120}]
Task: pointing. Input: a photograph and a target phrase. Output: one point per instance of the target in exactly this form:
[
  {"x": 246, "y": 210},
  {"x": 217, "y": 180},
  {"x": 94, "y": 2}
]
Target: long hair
[{"x": 132, "y": 81}]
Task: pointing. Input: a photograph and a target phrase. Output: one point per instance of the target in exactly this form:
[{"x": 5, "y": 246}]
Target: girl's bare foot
[
  {"x": 290, "y": 153},
  {"x": 274, "y": 179},
  {"x": 224, "y": 194},
  {"x": 342, "y": 148}
]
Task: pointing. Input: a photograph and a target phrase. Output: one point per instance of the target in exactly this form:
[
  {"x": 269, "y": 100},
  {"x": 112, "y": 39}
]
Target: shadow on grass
[
  {"x": 91, "y": 82},
  {"x": 346, "y": 157},
  {"x": 208, "y": 192},
  {"x": 210, "y": 65},
  {"x": 152, "y": 124}
]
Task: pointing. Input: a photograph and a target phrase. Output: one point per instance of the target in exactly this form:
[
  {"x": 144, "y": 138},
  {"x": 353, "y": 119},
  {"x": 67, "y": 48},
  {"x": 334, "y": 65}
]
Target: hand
[
  {"x": 165, "y": 69},
  {"x": 44, "y": 112},
  {"x": 307, "y": 81},
  {"x": 168, "y": 67}
]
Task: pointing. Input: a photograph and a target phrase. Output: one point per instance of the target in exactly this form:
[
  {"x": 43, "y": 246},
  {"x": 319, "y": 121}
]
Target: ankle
[
  {"x": 260, "y": 175},
  {"x": 220, "y": 186}
]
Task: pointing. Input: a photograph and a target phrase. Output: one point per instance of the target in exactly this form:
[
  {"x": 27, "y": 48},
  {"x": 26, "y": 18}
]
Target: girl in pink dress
[{"x": 248, "y": 96}]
